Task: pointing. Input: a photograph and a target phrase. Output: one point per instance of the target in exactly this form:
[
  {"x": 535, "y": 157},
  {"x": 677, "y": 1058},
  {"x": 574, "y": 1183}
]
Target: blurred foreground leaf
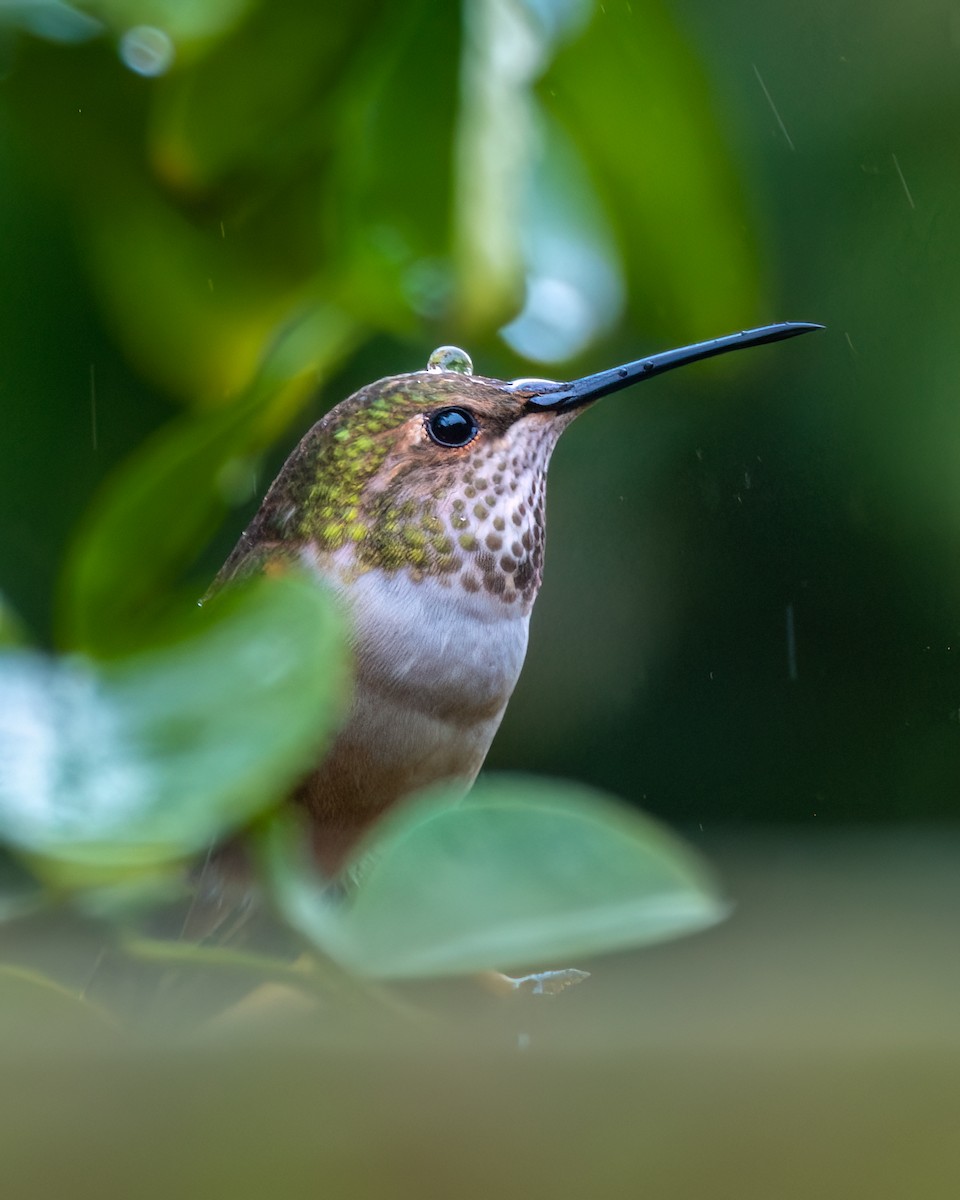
[
  {"x": 143, "y": 761},
  {"x": 20, "y": 892},
  {"x": 31, "y": 998},
  {"x": 521, "y": 872}
]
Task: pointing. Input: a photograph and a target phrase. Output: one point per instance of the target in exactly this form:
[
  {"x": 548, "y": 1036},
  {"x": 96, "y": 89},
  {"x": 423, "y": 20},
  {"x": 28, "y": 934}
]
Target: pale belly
[{"x": 435, "y": 669}]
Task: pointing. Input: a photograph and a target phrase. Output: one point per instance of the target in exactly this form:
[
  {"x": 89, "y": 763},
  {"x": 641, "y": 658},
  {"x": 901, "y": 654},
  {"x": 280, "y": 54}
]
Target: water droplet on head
[
  {"x": 450, "y": 358},
  {"x": 147, "y": 50}
]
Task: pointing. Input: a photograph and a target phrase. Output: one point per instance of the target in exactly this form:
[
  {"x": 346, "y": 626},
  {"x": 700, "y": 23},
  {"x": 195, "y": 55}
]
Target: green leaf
[
  {"x": 634, "y": 96},
  {"x": 139, "y": 762},
  {"x": 201, "y": 227},
  {"x": 29, "y": 999},
  {"x": 182, "y": 20},
  {"x": 50, "y": 19},
  {"x": 159, "y": 509},
  {"x": 237, "y": 112},
  {"x": 20, "y": 891},
  {"x": 521, "y": 872},
  {"x": 12, "y": 632},
  {"x": 388, "y": 203}
]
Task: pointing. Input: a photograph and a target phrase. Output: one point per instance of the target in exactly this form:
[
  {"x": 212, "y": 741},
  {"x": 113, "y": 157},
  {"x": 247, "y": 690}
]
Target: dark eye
[{"x": 452, "y": 426}]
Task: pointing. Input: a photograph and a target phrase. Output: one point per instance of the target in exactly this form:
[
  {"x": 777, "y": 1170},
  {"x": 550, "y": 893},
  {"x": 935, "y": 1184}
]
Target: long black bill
[{"x": 545, "y": 396}]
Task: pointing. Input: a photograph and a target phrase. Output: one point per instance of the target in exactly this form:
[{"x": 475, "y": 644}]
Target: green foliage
[
  {"x": 706, "y": 269},
  {"x": 150, "y": 520},
  {"x": 11, "y": 629},
  {"x": 522, "y": 871},
  {"x": 144, "y": 761},
  {"x": 242, "y": 192},
  {"x": 29, "y": 995},
  {"x": 20, "y": 891}
]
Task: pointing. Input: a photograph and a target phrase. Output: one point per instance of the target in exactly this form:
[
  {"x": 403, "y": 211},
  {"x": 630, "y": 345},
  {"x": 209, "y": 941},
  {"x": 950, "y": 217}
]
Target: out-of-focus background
[{"x": 750, "y": 624}]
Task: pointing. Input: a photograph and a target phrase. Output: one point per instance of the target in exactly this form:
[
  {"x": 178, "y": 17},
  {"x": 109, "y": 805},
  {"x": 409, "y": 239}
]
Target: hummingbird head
[{"x": 442, "y": 473}]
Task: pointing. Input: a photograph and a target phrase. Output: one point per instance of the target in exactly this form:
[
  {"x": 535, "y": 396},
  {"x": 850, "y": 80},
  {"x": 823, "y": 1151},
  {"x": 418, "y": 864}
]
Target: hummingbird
[{"x": 420, "y": 502}]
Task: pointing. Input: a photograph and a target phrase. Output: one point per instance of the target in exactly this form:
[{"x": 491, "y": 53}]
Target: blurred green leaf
[
  {"x": 232, "y": 113},
  {"x": 574, "y": 278},
  {"x": 148, "y": 759},
  {"x": 211, "y": 309},
  {"x": 12, "y": 632},
  {"x": 182, "y": 20},
  {"x": 50, "y": 19},
  {"x": 197, "y": 253},
  {"x": 20, "y": 891},
  {"x": 116, "y": 896},
  {"x": 504, "y": 50},
  {"x": 28, "y": 996},
  {"x": 521, "y": 872},
  {"x": 633, "y": 94},
  {"x": 388, "y": 208},
  {"x": 159, "y": 509}
]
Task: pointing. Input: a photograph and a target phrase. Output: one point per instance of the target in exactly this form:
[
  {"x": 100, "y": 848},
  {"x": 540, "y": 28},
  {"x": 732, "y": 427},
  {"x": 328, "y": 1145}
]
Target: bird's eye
[{"x": 452, "y": 427}]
